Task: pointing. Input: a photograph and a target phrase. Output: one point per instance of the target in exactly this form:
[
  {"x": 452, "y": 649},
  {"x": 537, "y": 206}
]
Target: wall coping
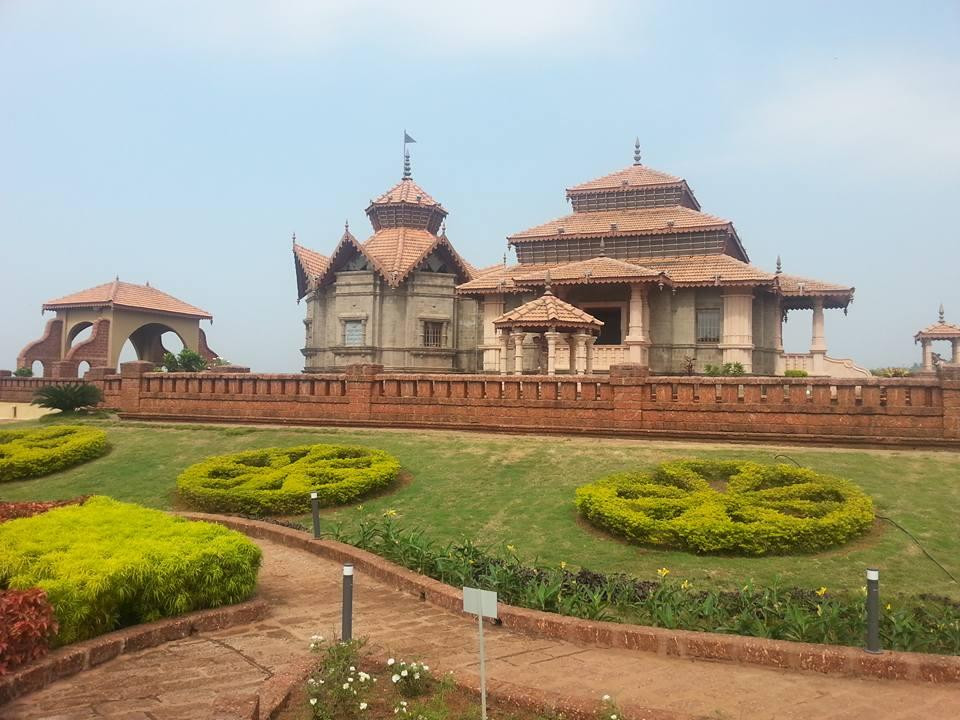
[
  {"x": 781, "y": 654},
  {"x": 72, "y": 659}
]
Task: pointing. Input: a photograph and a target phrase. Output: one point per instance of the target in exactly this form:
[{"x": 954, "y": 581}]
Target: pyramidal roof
[
  {"x": 406, "y": 191},
  {"x": 939, "y": 330},
  {"x": 633, "y": 176},
  {"x": 548, "y": 311},
  {"x": 127, "y": 295}
]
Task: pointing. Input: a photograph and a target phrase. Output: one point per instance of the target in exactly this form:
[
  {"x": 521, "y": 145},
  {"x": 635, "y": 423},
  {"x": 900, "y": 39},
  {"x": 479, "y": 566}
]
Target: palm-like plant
[{"x": 68, "y": 397}]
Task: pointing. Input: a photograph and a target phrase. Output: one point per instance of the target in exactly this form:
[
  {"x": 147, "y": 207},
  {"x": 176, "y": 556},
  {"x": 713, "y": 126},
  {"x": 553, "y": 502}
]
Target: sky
[{"x": 183, "y": 142}]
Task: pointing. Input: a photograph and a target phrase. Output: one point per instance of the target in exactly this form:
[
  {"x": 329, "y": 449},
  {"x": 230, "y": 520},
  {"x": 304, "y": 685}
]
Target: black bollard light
[
  {"x": 346, "y": 622},
  {"x": 873, "y": 611},
  {"x": 315, "y": 509}
]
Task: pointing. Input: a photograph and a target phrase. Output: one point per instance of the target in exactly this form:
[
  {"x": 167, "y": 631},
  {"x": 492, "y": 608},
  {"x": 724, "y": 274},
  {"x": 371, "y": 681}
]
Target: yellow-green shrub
[
  {"x": 106, "y": 564},
  {"x": 30, "y": 453},
  {"x": 765, "y": 509},
  {"x": 278, "y": 481}
]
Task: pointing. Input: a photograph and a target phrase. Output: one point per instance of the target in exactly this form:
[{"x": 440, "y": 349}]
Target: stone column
[
  {"x": 504, "y": 340},
  {"x": 818, "y": 343},
  {"x": 492, "y": 349},
  {"x": 781, "y": 363},
  {"x": 518, "y": 338},
  {"x": 580, "y": 344},
  {"x": 737, "y": 339},
  {"x": 955, "y": 356},
  {"x": 591, "y": 339},
  {"x": 552, "y": 336},
  {"x": 637, "y": 341},
  {"x": 927, "y": 356}
]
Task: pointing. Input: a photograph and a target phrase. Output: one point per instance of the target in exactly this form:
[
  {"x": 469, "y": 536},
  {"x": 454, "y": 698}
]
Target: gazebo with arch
[
  {"x": 114, "y": 312},
  {"x": 547, "y": 320},
  {"x": 942, "y": 330}
]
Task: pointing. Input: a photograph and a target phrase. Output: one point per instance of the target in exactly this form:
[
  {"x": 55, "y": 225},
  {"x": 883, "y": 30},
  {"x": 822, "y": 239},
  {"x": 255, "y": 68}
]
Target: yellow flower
[
  {"x": 563, "y": 565},
  {"x": 359, "y": 508},
  {"x": 822, "y": 591},
  {"x": 686, "y": 585},
  {"x": 511, "y": 548},
  {"x": 819, "y": 610},
  {"x": 888, "y": 607},
  {"x": 663, "y": 572},
  {"x": 390, "y": 513}
]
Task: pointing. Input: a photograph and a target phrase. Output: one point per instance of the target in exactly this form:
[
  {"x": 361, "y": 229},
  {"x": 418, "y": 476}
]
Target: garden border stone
[
  {"x": 72, "y": 659},
  {"x": 781, "y": 654}
]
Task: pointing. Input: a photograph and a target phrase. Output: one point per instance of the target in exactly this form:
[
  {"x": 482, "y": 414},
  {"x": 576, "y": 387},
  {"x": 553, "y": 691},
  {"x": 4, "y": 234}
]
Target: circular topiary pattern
[
  {"x": 31, "y": 453},
  {"x": 731, "y": 507},
  {"x": 278, "y": 481}
]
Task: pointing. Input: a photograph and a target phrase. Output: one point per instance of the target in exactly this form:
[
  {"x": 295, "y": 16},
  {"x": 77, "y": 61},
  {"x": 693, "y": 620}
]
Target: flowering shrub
[
  {"x": 31, "y": 453},
  {"x": 921, "y": 624},
  {"x": 339, "y": 690},
  {"x": 27, "y": 625},
  {"x": 278, "y": 481},
  {"x": 410, "y": 679},
  {"x": 14, "y": 510},
  {"x": 765, "y": 509},
  {"x": 106, "y": 564}
]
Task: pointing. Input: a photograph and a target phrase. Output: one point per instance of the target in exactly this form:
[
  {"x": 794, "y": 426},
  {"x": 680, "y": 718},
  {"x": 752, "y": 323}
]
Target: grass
[{"x": 518, "y": 490}]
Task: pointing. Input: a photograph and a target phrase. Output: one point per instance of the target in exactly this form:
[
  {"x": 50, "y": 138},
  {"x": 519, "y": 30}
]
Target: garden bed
[{"x": 32, "y": 453}]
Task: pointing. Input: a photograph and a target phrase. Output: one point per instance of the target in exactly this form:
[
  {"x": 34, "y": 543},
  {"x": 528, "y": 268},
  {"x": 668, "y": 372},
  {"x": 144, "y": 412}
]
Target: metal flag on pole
[{"x": 407, "y": 139}]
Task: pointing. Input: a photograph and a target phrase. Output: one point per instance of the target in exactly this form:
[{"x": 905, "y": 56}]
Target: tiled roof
[
  {"x": 398, "y": 249},
  {"x": 127, "y": 295},
  {"x": 594, "y": 270},
  {"x": 686, "y": 270},
  {"x": 800, "y": 286},
  {"x": 607, "y": 223},
  {"x": 406, "y": 191},
  {"x": 634, "y": 175},
  {"x": 309, "y": 266},
  {"x": 547, "y": 311},
  {"x": 942, "y": 330}
]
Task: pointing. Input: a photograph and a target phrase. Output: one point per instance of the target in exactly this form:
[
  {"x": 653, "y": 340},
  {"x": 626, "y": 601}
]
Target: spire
[
  {"x": 346, "y": 226},
  {"x": 603, "y": 247},
  {"x": 636, "y": 152},
  {"x": 546, "y": 284},
  {"x": 779, "y": 266},
  {"x": 294, "y": 238},
  {"x": 406, "y": 164},
  {"x": 941, "y": 312}
]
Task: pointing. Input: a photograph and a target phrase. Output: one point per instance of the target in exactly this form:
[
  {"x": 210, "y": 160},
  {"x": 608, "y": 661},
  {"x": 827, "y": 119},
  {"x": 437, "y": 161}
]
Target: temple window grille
[
  {"x": 353, "y": 333},
  {"x": 709, "y": 324},
  {"x": 433, "y": 333}
]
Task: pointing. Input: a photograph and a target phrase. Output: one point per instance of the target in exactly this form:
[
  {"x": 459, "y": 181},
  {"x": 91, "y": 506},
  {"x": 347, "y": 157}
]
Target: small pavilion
[
  {"x": 547, "y": 320},
  {"x": 942, "y": 330}
]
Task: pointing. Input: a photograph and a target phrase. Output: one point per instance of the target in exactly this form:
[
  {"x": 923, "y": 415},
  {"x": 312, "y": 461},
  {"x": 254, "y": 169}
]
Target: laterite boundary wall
[{"x": 898, "y": 411}]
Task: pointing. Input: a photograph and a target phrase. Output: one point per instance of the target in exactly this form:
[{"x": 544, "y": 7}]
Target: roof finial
[
  {"x": 346, "y": 226},
  {"x": 443, "y": 229},
  {"x": 636, "y": 152},
  {"x": 941, "y": 312},
  {"x": 546, "y": 284},
  {"x": 779, "y": 265},
  {"x": 504, "y": 259},
  {"x": 116, "y": 278},
  {"x": 406, "y": 164},
  {"x": 603, "y": 247},
  {"x": 294, "y": 237}
]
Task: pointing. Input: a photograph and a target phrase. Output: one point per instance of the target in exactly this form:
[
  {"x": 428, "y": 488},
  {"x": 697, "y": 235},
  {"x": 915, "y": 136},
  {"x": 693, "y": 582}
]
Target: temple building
[
  {"x": 671, "y": 285},
  {"x": 636, "y": 274},
  {"x": 941, "y": 330},
  {"x": 391, "y": 299}
]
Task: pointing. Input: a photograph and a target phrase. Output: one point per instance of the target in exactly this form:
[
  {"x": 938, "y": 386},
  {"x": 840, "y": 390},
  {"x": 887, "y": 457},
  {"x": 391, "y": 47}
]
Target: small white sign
[{"x": 480, "y": 602}]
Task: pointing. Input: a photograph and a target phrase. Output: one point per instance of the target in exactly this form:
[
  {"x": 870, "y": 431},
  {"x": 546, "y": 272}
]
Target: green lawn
[{"x": 519, "y": 490}]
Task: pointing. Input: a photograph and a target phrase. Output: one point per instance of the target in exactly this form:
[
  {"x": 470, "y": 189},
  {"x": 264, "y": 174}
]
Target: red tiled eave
[{"x": 129, "y": 296}]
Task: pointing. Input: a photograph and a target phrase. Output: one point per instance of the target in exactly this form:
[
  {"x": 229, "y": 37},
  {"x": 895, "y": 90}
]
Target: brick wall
[{"x": 917, "y": 411}]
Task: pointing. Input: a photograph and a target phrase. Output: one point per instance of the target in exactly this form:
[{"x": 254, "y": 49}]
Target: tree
[
  {"x": 68, "y": 397},
  {"x": 23, "y": 372},
  {"x": 186, "y": 361}
]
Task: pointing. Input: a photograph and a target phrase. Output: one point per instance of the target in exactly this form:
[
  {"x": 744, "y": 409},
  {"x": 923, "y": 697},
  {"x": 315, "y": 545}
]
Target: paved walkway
[{"x": 182, "y": 679}]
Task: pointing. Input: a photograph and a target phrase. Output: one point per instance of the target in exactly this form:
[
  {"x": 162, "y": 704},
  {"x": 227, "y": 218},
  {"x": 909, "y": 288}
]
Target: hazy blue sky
[{"x": 181, "y": 142}]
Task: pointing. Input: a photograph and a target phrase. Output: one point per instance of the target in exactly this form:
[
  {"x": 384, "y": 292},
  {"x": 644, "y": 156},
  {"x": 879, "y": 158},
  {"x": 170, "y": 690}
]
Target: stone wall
[{"x": 904, "y": 411}]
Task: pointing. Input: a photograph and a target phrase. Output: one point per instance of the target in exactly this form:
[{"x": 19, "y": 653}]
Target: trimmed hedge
[
  {"x": 31, "y": 453},
  {"x": 765, "y": 509},
  {"x": 27, "y": 625},
  {"x": 278, "y": 481},
  {"x": 107, "y": 564}
]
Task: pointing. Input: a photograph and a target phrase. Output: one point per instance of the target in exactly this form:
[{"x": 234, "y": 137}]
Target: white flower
[
  {"x": 350, "y": 679},
  {"x": 606, "y": 698},
  {"x": 613, "y": 717},
  {"x": 313, "y": 701},
  {"x": 321, "y": 681},
  {"x": 363, "y": 706},
  {"x": 396, "y": 678},
  {"x": 390, "y": 662},
  {"x": 346, "y": 686},
  {"x": 403, "y": 673},
  {"x": 425, "y": 667},
  {"x": 352, "y": 669},
  {"x": 416, "y": 676},
  {"x": 403, "y": 702}
]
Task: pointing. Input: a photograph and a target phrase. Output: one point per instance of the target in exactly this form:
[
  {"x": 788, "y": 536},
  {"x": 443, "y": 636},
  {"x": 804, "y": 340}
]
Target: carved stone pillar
[
  {"x": 955, "y": 356},
  {"x": 591, "y": 339},
  {"x": 818, "y": 343},
  {"x": 518, "y": 338},
  {"x": 927, "y": 356},
  {"x": 504, "y": 340},
  {"x": 492, "y": 349},
  {"x": 637, "y": 341},
  {"x": 737, "y": 340},
  {"x": 552, "y": 337},
  {"x": 580, "y": 343},
  {"x": 780, "y": 365}
]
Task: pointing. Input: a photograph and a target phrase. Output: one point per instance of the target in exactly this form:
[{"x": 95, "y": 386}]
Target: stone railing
[
  {"x": 626, "y": 401},
  {"x": 832, "y": 367}
]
